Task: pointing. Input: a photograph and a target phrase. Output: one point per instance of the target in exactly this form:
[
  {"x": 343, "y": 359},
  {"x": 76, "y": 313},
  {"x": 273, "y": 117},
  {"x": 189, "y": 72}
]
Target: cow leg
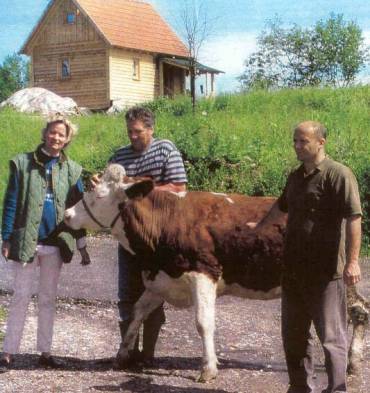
[
  {"x": 204, "y": 298},
  {"x": 359, "y": 318},
  {"x": 147, "y": 302}
]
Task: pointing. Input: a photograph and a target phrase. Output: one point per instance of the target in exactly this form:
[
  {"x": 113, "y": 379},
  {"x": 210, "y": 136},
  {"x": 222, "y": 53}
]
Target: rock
[{"x": 37, "y": 99}]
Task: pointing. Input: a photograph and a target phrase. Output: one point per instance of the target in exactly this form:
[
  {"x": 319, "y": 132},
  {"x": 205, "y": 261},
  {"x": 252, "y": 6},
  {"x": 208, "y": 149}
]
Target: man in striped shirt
[{"x": 160, "y": 160}]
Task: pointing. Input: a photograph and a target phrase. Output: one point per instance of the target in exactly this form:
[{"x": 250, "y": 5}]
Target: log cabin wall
[
  {"x": 85, "y": 52},
  {"x": 131, "y": 85}
]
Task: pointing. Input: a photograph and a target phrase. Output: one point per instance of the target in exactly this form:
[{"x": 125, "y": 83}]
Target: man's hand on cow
[
  {"x": 85, "y": 257},
  {"x": 352, "y": 273},
  {"x": 173, "y": 187}
]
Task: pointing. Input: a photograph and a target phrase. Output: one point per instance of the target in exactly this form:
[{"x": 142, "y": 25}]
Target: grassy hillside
[{"x": 239, "y": 143}]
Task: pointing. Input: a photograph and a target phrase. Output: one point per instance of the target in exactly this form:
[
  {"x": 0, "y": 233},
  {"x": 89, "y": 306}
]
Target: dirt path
[{"x": 86, "y": 337}]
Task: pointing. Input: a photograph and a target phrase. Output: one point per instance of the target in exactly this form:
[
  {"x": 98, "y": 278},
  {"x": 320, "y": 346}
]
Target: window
[
  {"x": 136, "y": 69},
  {"x": 66, "y": 69},
  {"x": 71, "y": 18}
]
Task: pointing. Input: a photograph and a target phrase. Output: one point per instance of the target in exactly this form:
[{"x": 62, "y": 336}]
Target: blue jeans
[{"x": 131, "y": 287}]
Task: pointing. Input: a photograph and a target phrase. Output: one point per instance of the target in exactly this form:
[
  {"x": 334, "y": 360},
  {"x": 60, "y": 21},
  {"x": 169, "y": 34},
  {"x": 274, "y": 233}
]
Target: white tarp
[{"x": 37, "y": 99}]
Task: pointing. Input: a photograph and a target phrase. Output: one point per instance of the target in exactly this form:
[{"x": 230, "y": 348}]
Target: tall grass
[{"x": 239, "y": 142}]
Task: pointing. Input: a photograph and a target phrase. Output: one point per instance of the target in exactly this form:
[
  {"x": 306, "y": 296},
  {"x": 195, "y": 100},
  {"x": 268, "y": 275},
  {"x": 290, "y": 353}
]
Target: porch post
[
  {"x": 183, "y": 81},
  {"x": 160, "y": 78},
  {"x": 206, "y": 84},
  {"x": 212, "y": 84}
]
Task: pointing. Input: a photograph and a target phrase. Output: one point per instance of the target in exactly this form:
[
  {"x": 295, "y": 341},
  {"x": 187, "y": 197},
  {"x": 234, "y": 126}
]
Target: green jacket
[{"x": 32, "y": 190}]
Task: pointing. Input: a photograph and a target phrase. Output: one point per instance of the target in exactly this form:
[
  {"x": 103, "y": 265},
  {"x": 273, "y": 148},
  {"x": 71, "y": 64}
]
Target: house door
[{"x": 173, "y": 80}]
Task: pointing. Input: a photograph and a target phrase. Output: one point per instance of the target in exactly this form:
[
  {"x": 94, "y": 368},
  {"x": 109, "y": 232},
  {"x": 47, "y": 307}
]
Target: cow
[{"x": 192, "y": 247}]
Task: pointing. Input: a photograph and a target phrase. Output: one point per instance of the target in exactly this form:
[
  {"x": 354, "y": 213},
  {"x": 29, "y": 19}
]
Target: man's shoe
[
  {"x": 48, "y": 362},
  {"x": 5, "y": 365},
  {"x": 133, "y": 361}
]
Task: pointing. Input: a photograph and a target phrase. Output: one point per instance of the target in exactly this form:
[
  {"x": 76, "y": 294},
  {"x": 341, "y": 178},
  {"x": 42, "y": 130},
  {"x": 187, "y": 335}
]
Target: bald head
[
  {"x": 312, "y": 126},
  {"x": 309, "y": 143}
]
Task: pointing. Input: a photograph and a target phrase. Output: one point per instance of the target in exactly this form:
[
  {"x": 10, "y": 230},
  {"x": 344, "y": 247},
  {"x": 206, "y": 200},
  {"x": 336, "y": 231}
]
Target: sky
[{"x": 235, "y": 26}]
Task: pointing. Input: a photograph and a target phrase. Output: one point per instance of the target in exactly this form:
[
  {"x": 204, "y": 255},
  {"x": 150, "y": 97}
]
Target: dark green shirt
[{"x": 317, "y": 205}]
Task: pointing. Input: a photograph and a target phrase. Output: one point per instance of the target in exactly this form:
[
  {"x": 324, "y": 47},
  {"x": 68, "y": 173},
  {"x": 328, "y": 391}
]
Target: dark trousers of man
[
  {"x": 130, "y": 288},
  {"x": 324, "y": 305}
]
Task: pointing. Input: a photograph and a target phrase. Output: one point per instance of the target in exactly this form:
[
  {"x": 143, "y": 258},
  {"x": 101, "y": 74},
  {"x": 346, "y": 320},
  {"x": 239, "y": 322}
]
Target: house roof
[
  {"x": 130, "y": 24},
  {"x": 184, "y": 63}
]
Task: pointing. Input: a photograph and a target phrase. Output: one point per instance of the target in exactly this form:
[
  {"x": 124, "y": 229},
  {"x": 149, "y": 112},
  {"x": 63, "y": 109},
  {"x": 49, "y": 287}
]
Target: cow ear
[{"x": 140, "y": 189}]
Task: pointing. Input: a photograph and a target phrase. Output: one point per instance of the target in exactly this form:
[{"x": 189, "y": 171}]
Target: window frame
[
  {"x": 71, "y": 14},
  {"x": 61, "y": 68},
  {"x": 136, "y": 69}
]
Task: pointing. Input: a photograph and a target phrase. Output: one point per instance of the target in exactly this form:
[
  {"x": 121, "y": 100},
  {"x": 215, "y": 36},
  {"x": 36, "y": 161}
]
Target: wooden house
[{"x": 98, "y": 51}]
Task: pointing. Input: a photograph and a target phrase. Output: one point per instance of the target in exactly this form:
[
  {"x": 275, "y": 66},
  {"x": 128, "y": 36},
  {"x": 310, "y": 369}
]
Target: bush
[{"x": 179, "y": 106}]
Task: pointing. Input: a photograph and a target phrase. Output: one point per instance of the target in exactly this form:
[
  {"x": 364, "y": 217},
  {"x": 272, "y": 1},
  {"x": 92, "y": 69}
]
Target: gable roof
[{"x": 130, "y": 24}]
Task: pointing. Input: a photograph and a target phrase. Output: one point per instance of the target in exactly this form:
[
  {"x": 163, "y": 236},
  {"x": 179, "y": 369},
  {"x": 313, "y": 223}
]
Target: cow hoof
[
  {"x": 207, "y": 375},
  {"x": 122, "y": 363},
  {"x": 123, "y": 360}
]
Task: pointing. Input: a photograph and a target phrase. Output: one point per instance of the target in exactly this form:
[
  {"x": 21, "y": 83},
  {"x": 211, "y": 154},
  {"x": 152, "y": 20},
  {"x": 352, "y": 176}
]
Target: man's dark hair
[{"x": 140, "y": 113}]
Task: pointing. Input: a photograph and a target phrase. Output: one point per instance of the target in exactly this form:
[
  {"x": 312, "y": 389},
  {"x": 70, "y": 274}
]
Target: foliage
[
  {"x": 178, "y": 106},
  {"x": 233, "y": 143},
  {"x": 13, "y": 75},
  {"x": 331, "y": 53}
]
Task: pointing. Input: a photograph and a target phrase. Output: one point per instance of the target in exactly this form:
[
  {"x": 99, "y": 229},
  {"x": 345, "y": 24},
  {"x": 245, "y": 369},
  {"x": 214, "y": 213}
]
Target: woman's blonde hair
[{"x": 71, "y": 128}]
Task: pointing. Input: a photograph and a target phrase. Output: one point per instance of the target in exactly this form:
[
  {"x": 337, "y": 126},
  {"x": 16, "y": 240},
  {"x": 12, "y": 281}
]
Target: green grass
[{"x": 240, "y": 143}]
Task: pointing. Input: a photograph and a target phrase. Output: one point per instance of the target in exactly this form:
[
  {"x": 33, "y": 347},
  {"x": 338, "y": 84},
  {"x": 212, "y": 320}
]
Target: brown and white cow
[{"x": 192, "y": 247}]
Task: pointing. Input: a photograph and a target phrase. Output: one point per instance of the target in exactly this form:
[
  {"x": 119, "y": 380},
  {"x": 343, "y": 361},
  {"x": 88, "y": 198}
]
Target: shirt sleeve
[
  {"x": 80, "y": 186},
  {"x": 346, "y": 190},
  {"x": 10, "y": 203},
  {"x": 174, "y": 171}
]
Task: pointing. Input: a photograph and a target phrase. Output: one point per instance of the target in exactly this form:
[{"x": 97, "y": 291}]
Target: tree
[
  {"x": 330, "y": 53},
  {"x": 13, "y": 75},
  {"x": 196, "y": 28}
]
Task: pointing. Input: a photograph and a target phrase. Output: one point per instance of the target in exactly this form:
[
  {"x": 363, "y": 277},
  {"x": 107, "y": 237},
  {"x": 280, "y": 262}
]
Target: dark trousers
[
  {"x": 324, "y": 305},
  {"x": 131, "y": 287}
]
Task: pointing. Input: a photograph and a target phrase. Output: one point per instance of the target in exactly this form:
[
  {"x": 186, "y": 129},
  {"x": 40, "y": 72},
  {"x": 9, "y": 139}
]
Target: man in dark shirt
[{"x": 322, "y": 246}]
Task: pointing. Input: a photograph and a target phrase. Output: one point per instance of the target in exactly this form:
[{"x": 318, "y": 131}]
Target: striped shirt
[{"x": 161, "y": 161}]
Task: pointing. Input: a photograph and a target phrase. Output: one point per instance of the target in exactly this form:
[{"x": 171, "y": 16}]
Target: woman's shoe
[{"x": 5, "y": 365}]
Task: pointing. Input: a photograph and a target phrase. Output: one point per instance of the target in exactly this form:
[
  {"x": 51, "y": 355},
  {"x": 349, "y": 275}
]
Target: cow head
[{"x": 100, "y": 208}]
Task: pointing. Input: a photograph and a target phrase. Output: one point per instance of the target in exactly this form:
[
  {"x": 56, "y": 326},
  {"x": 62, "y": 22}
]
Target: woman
[{"x": 41, "y": 185}]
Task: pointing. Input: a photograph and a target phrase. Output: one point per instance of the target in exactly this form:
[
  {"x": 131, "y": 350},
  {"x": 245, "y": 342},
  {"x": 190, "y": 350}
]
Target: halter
[{"x": 89, "y": 212}]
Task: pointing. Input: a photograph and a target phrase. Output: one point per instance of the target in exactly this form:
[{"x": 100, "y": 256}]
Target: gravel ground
[{"x": 86, "y": 337}]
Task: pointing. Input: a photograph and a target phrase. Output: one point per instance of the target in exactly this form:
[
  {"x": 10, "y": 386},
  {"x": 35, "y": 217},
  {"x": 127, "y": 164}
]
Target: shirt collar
[
  {"x": 319, "y": 167},
  {"x": 323, "y": 164},
  {"x": 48, "y": 154},
  {"x": 40, "y": 150}
]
